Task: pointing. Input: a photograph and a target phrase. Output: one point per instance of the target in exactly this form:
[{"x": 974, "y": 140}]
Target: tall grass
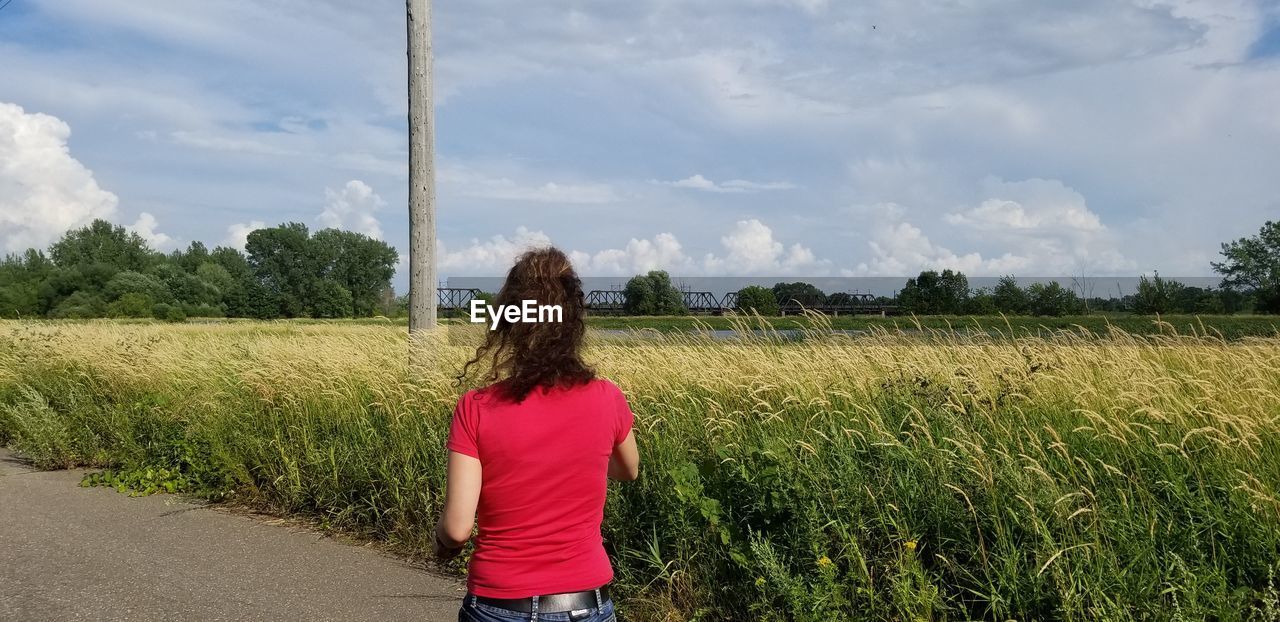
[{"x": 929, "y": 475}]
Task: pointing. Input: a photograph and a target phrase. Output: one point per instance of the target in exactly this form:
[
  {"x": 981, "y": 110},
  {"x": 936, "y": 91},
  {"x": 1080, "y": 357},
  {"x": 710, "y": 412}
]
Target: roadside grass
[{"x": 919, "y": 474}]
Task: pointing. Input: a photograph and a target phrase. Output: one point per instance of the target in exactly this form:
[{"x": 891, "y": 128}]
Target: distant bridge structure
[
  {"x": 456, "y": 298},
  {"x": 614, "y": 301},
  {"x": 606, "y": 302},
  {"x": 701, "y": 303}
]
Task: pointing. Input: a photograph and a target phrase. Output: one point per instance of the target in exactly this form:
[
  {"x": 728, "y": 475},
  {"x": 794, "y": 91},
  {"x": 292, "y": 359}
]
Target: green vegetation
[
  {"x": 102, "y": 270},
  {"x": 757, "y": 300},
  {"x": 935, "y": 294},
  {"x": 1253, "y": 264},
  {"x": 653, "y": 294},
  {"x": 798, "y": 292},
  {"x": 922, "y": 475},
  {"x": 287, "y": 272}
]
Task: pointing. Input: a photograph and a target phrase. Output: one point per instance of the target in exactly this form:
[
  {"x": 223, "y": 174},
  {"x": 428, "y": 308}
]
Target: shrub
[
  {"x": 756, "y": 299},
  {"x": 131, "y": 305},
  {"x": 653, "y": 294},
  {"x": 168, "y": 313}
]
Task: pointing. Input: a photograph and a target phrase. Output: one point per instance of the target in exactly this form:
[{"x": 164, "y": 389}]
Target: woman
[{"x": 532, "y": 454}]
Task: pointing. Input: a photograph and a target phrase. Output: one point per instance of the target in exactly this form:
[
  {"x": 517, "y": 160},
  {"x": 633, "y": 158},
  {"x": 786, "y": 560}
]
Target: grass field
[
  {"x": 904, "y": 476},
  {"x": 1225, "y": 326}
]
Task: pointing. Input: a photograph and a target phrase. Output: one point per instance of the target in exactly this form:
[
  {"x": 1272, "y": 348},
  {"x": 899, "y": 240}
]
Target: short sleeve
[
  {"x": 464, "y": 427},
  {"x": 623, "y": 418}
]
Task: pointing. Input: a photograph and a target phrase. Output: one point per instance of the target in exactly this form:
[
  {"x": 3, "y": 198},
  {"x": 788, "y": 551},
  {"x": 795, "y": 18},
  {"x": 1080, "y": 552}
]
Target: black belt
[{"x": 551, "y": 603}]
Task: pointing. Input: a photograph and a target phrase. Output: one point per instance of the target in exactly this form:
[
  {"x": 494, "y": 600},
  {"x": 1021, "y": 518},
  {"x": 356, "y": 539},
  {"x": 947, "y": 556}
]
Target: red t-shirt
[{"x": 545, "y": 464}]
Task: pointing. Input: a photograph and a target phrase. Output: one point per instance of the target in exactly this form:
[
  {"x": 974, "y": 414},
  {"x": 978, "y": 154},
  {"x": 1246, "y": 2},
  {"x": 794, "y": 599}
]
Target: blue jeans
[{"x": 480, "y": 612}]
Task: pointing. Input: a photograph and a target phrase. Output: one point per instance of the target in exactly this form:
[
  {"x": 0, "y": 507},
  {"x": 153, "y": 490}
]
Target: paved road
[{"x": 71, "y": 553}]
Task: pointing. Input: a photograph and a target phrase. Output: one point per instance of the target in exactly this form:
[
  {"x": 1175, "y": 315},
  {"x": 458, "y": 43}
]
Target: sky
[{"x": 709, "y": 137}]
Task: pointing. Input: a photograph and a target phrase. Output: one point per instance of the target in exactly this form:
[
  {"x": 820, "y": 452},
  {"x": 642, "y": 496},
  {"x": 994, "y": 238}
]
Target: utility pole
[{"x": 422, "y": 171}]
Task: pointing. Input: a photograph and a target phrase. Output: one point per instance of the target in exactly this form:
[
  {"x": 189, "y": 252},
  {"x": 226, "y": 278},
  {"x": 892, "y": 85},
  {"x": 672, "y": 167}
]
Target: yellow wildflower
[
  {"x": 824, "y": 561},
  {"x": 910, "y": 544}
]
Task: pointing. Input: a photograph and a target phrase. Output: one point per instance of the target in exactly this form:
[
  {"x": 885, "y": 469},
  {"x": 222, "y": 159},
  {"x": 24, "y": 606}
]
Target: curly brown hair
[{"x": 523, "y": 356}]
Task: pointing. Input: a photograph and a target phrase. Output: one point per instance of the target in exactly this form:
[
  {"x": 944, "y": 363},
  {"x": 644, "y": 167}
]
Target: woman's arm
[
  {"x": 461, "y": 497},
  {"x": 624, "y": 464}
]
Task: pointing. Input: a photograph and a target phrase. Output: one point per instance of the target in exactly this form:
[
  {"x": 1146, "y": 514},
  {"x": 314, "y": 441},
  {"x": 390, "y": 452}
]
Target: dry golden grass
[{"x": 1078, "y": 476}]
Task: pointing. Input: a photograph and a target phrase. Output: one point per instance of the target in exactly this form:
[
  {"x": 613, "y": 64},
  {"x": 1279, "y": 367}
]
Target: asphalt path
[{"x": 72, "y": 553}]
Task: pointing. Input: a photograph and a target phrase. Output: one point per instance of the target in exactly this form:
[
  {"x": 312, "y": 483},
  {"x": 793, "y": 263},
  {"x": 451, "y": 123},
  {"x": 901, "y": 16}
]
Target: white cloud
[
  {"x": 663, "y": 252},
  {"x": 1034, "y": 205},
  {"x": 229, "y": 143},
  {"x": 353, "y": 209},
  {"x": 145, "y": 227},
  {"x": 938, "y": 95},
  {"x": 490, "y": 257},
  {"x": 902, "y": 249},
  {"x": 698, "y": 182},
  {"x": 43, "y": 190},
  {"x": 1036, "y": 227},
  {"x": 238, "y": 234},
  {"x": 470, "y": 182},
  {"x": 750, "y": 249}
]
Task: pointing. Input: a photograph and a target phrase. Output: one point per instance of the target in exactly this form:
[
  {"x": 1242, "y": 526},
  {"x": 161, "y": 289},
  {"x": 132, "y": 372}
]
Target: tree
[
  {"x": 330, "y": 300},
  {"x": 130, "y": 282},
  {"x": 954, "y": 293},
  {"x": 361, "y": 264},
  {"x": 932, "y": 293},
  {"x": 91, "y": 268},
  {"x": 61, "y": 283},
  {"x": 285, "y": 265},
  {"x": 168, "y": 313},
  {"x": 1155, "y": 295},
  {"x": 217, "y": 277},
  {"x": 1253, "y": 264},
  {"x": 798, "y": 293},
  {"x": 1052, "y": 299},
  {"x": 102, "y": 243},
  {"x": 247, "y": 297},
  {"x": 653, "y": 294},
  {"x": 186, "y": 287},
  {"x": 756, "y": 299},
  {"x": 982, "y": 302},
  {"x": 79, "y": 305},
  {"x": 131, "y": 305},
  {"x": 1009, "y": 298},
  {"x": 1199, "y": 300},
  {"x": 20, "y": 278},
  {"x": 190, "y": 259}
]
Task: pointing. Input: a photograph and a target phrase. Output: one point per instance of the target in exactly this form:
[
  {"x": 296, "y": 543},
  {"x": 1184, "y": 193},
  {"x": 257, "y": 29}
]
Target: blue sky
[{"x": 741, "y": 137}]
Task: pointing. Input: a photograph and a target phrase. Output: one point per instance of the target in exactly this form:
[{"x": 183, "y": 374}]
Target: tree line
[
  {"x": 103, "y": 270},
  {"x": 287, "y": 271},
  {"x": 948, "y": 293},
  {"x": 1250, "y": 270}
]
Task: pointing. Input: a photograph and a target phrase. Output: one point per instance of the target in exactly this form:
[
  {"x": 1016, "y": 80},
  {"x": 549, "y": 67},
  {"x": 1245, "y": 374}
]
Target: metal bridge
[
  {"x": 839, "y": 303},
  {"x": 455, "y": 299},
  {"x": 606, "y": 302},
  {"x": 613, "y": 302}
]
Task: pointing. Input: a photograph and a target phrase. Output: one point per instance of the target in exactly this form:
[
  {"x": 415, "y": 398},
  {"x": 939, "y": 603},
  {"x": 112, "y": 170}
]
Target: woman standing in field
[{"x": 532, "y": 454}]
